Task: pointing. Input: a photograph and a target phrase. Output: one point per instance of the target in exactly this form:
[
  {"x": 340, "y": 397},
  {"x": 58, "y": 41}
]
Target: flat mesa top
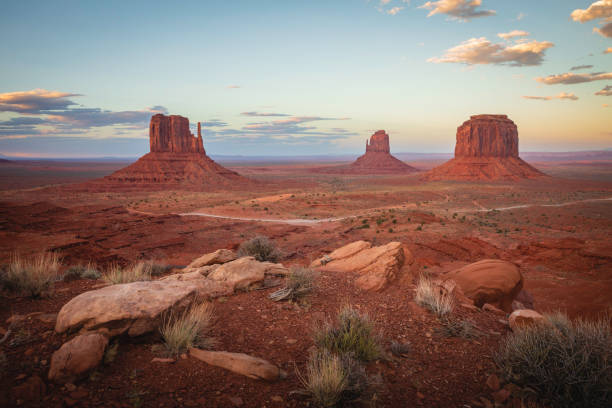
[{"x": 489, "y": 117}]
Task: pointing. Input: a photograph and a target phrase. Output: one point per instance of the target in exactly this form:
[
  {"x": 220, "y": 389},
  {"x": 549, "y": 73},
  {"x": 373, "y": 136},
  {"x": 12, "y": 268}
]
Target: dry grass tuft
[
  {"x": 135, "y": 273},
  {"x": 568, "y": 363},
  {"x": 300, "y": 282},
  {"x": 327, "y": 378},
  {"x": 181, "y": 331},
  {"x": 88, "y": 271},
  {"x": 353, "y": 333},
  {"x": 430, "y": 296},
  {"x": 32, "y": 276}
]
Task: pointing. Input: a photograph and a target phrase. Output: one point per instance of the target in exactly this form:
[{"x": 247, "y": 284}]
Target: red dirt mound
[
  {"x": 486, "y": 149},
  {"x": 177, "y": 159},
  {"x": 376, "y": 160}
]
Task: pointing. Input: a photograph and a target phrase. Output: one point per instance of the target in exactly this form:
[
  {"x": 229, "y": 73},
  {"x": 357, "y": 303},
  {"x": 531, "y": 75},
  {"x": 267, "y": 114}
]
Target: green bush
[
  {"x": 353, "y": 334},
  {"x": 569, "y": 363},
  {"x": 261, "y": 248}
]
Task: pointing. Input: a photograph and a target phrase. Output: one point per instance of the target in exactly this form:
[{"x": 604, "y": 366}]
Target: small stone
[
  {"x": 162, "y": 360},
  {"x": 29, "y": 352},
  {"x": 184, "y": 356},
  {"x": 236, "y": 401},
  {"x": 277, "y": 398},
  {"x": 70, "y": 387},
  {"x": 501, "y": 396},
  {"x": 291, "y": 341},
  {"x": 420, "y": 396},
  {"x": 79, "y": 394},
  {"x": 493, "y": 382}
]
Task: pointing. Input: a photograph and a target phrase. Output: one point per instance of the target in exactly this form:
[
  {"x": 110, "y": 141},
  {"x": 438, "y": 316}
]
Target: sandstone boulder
[
  {"x": 77, "y": 357},
  {"x": 489, "y": 281},
  {"x": 376, "y": 267},
  {"x": 524, "y": 318},
  {"x": 220, "y": 256},
  {"x": 252, "y": 367},
  {"x": 136, "y": 308}
]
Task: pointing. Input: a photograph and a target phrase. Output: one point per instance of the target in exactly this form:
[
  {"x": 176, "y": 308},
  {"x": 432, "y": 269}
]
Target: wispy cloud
[
  {"x": 35, "y": 101},
  {"x": 569, "y": 78},
  {"x": 599, "y": 10},
  {"x": 522, "y": 52},
  {"x": 562, "y": 95},
  {"x": 607, "y": 91},
  {"x": 394, "y": 10},
  {"x": 577, "y": 67},
  {"x": 214, "y": 123},
  {"x": 520, "y": 16},
  {"x": 263, "y": 114},
  {"x": 56, "y": 114},
  {"x": 513, "y": 34},
  {"x": 233, "y": 86},
  {"x": 458, "y": 9}
]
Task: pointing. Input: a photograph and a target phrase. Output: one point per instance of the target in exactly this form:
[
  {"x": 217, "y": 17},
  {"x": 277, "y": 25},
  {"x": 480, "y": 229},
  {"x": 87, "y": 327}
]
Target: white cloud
[
  {"x": 482, "y": 51},
  {"x": 569, "y": 78},
  {"x": 562, "y": 95},
  {"x": 607, "y": 91},
  {"x": 601, "y": 9},
  {"x": 457, "y": 9},
  {"x": 513, "y": 34},
  {"x": 597, "y": 10}
]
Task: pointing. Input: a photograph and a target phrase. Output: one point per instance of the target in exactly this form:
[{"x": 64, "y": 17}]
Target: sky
[{"x": 82, "y": 78}]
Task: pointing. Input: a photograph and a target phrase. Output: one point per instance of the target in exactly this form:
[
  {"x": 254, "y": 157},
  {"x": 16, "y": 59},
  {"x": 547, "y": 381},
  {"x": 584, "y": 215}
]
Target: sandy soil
[{"x": 557, "y": 232}]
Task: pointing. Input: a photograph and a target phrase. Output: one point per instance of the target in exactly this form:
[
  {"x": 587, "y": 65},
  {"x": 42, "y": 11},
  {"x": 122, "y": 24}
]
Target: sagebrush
[
  {"x": 568, "y": 362},
  {"x": 261, "y": 248}
]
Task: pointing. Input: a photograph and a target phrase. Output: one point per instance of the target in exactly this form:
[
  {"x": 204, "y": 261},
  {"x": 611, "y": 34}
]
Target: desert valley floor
[{"x": 556, "y": 229}]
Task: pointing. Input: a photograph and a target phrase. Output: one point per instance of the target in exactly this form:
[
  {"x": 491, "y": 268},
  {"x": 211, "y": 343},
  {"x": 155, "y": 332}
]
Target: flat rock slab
[
  {"x": 252, "y": 367},
  {"x": 136, "y": 308},
  {"x": 376, "y": 266},
  {"x": 220, "y": 256}
]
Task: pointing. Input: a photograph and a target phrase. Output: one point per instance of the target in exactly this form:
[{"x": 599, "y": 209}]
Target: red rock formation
[
  {"x": 486, "y": 149},
  {"x": 171, "y": 134},
  {"x": 177, "y": 158},
  {"x": 376, "y": 160}
]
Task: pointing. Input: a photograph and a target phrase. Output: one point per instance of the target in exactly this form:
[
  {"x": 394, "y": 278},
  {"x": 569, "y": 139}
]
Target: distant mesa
[
  {"x": 486, "y": 149},
  {"x": 376, "y": 160},
  {"x": 177, "y": 158}
]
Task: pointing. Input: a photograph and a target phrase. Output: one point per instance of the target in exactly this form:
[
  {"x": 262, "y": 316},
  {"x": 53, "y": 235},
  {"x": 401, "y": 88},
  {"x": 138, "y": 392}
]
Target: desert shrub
[
  {"x": 430, "y": 296},
  {"x": 569, "y": 363},
  {"x": 353, "y": 334},
  {"x": 189, "y": 328},
  {"x": 332, "y": 380},
  {"x": 116, "y": 274},
  {"x": 31, "y": 276},
  {"x": 261, "y": 248},
  {"x": 88, "y": 271},
  {"x": 299, "y": 283},
  {"x": 452, "y": 327}
]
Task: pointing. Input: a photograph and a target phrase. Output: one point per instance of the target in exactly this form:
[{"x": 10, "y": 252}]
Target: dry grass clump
[
  {"x": 353, "y": 334},
  {"x": 300, "y": 282},
  {"x": 33, "y": 276},
  {"x": 261, "y": 248},
  {"x": 332, "y": 380},
  {"x": 135, "y": 273},
  {"x": 88, "y": 271},
  {"x": 453, "y": 327},
  {"x": 189, "y": 328},
  {"x": 569, "y": 363},
  {"x": 428, "y": 295},
  {"x": 156, "y": 268}
]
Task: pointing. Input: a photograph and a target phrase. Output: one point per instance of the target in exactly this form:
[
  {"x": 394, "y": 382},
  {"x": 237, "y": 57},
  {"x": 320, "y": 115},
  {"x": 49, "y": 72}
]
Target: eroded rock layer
[
  {"x": 177, "y": 159},
  {"x": 486, "y": 149}
]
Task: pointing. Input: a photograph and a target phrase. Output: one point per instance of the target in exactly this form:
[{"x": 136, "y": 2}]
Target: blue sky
[{"x": 302, "y": 77}]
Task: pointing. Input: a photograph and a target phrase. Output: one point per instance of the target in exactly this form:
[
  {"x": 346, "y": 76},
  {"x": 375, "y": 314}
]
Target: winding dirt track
[{"x": 307, "y": 222}]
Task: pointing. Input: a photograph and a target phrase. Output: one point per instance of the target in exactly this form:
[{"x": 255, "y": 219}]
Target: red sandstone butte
[
  {"x": 486, "y": 149},
  {"x": 376, "y": 160},
  {"x": 177, "y": 159}
]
